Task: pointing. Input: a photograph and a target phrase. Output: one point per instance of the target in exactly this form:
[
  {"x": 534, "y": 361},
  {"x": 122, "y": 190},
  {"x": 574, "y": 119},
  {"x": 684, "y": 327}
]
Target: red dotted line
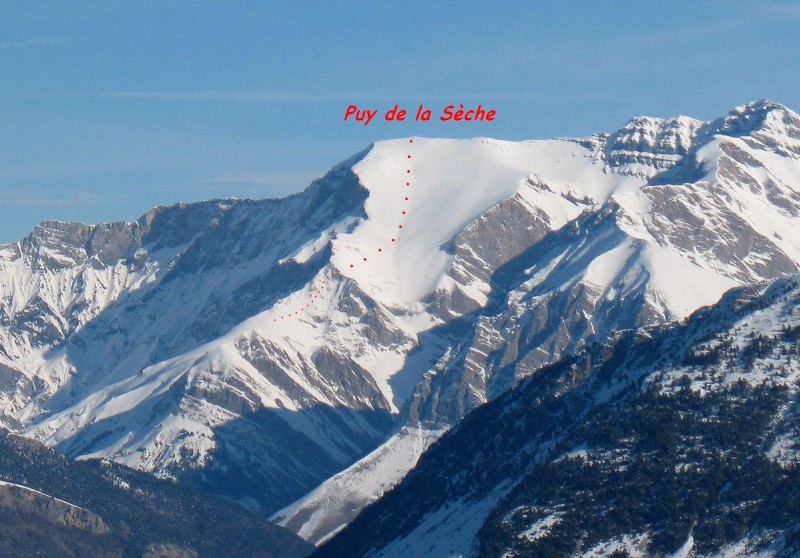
[
  {"x": 405, "y": 198},
  {"x": 329, "y": 277},
  {"x": 316, "y": 291}
]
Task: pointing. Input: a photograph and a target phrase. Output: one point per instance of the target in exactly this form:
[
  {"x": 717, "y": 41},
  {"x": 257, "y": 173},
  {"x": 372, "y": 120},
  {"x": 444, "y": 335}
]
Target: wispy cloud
[
  {"x": 245, "y": 96},
  {"x": 234, "y": 96},
  {"x": 20, "y": 198},
  {"x": 778, "y": 9},
  {"x": 301, "y": 177},
  {"x": 9, "y": 45},
  {"x": 252, "y": 184},
  {"x": 254, "y": 96},
  {"x": 667, "y": 36}
]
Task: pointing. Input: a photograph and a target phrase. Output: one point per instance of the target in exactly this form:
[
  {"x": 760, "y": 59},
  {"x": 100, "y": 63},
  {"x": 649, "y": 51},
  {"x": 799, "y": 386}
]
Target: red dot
[
  {"x": 404, "y": 212},
  {"x": 365, "y": 259},
  {"x": 410, "y": 141},
  {"x": 351, "y": 265},
  {"x": 400, "y": 227},
  {"x": 406, "y": 198},
  {"x": 408, "y": 171},
  {"x": 409, "y": 156},
  {"x": 393, "y": 240},
  {"x": 380, "y": 249}
]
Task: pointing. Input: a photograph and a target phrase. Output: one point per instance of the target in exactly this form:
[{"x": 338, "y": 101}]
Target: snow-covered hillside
[{"x": 257, "y": 348}]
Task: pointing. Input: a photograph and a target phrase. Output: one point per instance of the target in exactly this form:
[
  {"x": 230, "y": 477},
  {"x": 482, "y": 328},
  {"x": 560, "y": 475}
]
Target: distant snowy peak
[
  {"x": 418, "y": 205},
  {"x": 646, "y": 146},
  {"x": 760, "y": 116}
]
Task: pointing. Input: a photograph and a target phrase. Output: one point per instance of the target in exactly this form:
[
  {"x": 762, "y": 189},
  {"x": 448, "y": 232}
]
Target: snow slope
[{"x": 332, "y": 505}]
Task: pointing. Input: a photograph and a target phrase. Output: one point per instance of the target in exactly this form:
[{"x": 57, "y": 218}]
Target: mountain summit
[{"x": 258, "y": 348}]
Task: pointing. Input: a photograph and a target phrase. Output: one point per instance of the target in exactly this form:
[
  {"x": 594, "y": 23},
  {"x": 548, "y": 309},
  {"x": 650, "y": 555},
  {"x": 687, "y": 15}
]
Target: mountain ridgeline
[{"x": 298, "y": 355}]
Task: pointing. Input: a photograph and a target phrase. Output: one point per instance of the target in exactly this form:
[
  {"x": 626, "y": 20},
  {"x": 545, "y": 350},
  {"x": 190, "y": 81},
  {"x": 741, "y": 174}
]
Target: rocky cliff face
[{"x": 29, "y": 502}]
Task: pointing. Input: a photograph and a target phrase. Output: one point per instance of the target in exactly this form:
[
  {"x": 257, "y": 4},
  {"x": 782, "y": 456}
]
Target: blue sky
[{"x": 109, "y": 108}]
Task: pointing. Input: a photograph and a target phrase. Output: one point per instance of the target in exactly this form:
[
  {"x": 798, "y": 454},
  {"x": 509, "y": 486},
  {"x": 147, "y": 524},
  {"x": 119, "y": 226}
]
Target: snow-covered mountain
[
  {"x": 562, "y": 262},
  {"x": 677, "y": 440},
  {"x": 256, "y": 348}
]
